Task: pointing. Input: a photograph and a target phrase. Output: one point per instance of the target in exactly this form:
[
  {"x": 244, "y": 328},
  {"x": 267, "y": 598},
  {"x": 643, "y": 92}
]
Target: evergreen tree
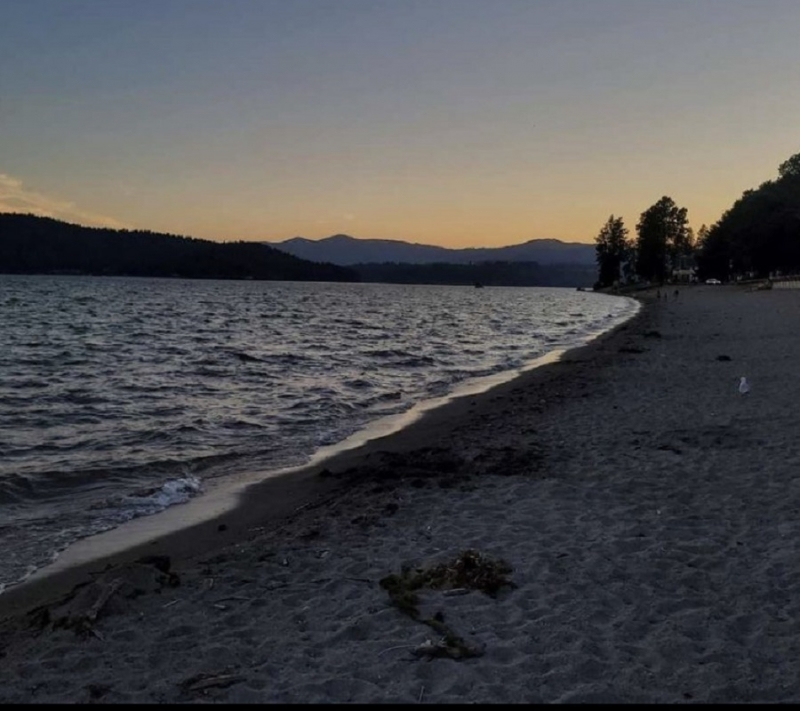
[
  {"x": 612, "y": 247},
  {"x": 663, "y": 235},
  {"x": 702, "y": 236},
  {"x": 760, "y": 233},
  {"x": 790, "y": 168}
]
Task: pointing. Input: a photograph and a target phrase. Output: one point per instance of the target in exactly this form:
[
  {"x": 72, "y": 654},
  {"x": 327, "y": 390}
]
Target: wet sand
[{"x": 647, "y": 511}]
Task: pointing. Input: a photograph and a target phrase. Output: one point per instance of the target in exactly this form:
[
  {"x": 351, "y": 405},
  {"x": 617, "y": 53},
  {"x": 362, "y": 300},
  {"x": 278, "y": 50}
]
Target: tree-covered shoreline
[
  {"x": 758, "y": 237},
  {"x": 30, "y": 244}
]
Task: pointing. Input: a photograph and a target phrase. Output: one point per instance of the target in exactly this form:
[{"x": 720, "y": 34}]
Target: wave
[{"x": 155, "y": 413}]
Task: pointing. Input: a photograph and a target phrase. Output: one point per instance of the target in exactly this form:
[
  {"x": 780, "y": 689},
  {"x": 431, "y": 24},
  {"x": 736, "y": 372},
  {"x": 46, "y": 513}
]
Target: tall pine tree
[{"x": 612, "y": 249}]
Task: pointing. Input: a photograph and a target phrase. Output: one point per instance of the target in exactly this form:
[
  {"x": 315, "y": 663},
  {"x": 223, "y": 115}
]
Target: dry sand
[{"x": 648, "y": 512}]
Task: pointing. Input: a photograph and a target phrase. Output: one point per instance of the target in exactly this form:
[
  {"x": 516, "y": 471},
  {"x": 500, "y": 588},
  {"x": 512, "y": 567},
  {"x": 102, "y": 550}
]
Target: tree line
[
  {"x": 41, "y": 245},
  {"x": 490, "y": 273},
  {"x": 30, "y": 244},
  {"x": 757, "y": 237}
]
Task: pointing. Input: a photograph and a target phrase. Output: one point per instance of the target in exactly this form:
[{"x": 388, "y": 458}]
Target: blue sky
[{"x": 453, "y": 122}]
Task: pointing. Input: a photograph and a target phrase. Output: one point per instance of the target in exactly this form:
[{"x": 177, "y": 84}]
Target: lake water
[{"x": 122, "y": 396}]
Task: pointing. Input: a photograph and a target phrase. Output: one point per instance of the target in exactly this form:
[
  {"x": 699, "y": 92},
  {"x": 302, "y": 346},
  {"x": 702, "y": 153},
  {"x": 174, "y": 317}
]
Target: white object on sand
[{"x": 744, "y": 386}]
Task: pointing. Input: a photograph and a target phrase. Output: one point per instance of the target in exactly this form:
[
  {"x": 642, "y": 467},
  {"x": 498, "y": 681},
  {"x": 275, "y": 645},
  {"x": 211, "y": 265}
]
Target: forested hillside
[
  {"x": 760, "y": 233},
  {"x": 41, "y": 245}
]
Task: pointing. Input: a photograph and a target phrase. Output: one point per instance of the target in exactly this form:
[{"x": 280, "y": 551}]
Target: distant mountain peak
[
  {"x": 341, "y": 237},
  {"x": 346, "y": 250}
]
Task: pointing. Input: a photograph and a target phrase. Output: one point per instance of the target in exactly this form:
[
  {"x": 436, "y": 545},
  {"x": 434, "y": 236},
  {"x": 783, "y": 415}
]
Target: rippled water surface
[{"x": 119, "y": 396}]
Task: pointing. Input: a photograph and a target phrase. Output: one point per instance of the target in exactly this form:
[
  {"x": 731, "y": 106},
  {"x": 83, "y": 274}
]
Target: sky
[{"x": 461, "y": 123}]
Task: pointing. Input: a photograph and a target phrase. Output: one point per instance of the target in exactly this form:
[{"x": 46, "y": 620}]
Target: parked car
[{"x": 713, "y": 281}]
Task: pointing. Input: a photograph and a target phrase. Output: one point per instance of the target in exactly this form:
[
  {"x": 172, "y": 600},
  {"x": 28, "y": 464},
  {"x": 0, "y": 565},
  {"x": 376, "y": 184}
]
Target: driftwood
[
  {"x": 103, "y": 598},
  {"x": 85, "y": 604},
  {"x": 450, "y": 646},
  {"x": 204, "y": 681},
  {"x": 81, "y": 610}
]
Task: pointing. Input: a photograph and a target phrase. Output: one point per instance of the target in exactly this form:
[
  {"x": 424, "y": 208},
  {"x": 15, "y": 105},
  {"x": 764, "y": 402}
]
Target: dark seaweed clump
[{"x": 469, "y": 570}]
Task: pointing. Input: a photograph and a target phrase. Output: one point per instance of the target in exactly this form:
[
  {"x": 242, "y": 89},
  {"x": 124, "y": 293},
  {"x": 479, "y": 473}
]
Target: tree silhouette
[
  {"x": 41, "y": 245},
  {"x": 663, "y": 234},
  {"x": 612, "y": 248},
  {"x": 790, "y": 167},
  {"x": 760, "y": 233}
]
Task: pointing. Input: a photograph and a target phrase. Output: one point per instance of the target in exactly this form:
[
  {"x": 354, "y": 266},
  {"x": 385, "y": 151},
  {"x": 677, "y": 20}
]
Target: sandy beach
[{"x": 619, "y": 526}]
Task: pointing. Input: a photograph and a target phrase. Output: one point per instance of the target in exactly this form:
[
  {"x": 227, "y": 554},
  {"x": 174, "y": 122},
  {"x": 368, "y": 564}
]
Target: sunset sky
[{"x": 451, "y": 122}]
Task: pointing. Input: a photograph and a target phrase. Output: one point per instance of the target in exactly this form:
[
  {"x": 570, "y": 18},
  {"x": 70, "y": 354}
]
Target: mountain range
[
  {"x": 30, "y": 244},
  {"x": 345, "y": 250}
]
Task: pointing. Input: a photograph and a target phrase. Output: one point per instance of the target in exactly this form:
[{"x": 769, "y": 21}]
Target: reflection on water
[{"x": 121, "y": 396}]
